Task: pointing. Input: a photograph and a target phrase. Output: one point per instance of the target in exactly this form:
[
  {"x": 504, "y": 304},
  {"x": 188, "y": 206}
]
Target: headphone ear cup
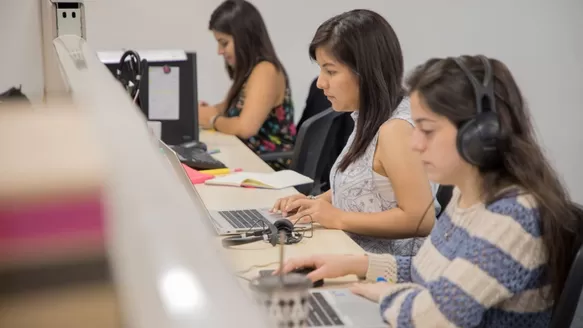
[
  {"x": 283, "y": 225},
  {"x": 478, "y": 141}
]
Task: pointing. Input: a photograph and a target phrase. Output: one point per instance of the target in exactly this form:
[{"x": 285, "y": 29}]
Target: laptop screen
[{"x": 178, "y": 169}]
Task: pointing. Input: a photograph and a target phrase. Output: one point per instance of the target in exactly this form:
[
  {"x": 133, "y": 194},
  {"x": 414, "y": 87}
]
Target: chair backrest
[
  {"x": 310, "y": 143},
  {"x": 566, "y": 306}
]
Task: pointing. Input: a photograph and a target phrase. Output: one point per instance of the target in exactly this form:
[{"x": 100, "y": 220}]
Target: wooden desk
[{"x": 235, "y": 154}]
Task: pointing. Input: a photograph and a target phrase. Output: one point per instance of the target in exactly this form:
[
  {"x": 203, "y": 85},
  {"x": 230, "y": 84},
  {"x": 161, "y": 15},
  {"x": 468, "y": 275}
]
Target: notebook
[{"x": 276, "y": 180}]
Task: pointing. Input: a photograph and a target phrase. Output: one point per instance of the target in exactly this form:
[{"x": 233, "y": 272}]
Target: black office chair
[
  {"x": 443, "y": 196},
  {"x": 309, "y": 150},
  {"x": 566, "y": 306}
]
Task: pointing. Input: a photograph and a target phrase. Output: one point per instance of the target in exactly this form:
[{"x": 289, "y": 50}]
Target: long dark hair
[
  {"x": 364, "y": 41},
  {"x": 244, "y": 23},
  {"x": 447, "y": 91}
]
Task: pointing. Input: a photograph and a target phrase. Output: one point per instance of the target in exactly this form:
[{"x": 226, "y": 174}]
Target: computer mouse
[
  {"x": 193, "y": 145},
  {"x": 307, "y": 270}
]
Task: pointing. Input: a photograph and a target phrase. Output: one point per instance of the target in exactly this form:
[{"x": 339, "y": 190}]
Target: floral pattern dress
[{"x": 278, "y": 132}]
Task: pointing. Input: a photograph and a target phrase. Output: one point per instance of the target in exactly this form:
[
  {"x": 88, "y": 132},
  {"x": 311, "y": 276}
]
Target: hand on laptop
[
  {"x": 316, "y": 210},
  {"x": 283, "y": 204},
  {"x": 329, "y": 266},
  {"x": 372, "y": 291}
]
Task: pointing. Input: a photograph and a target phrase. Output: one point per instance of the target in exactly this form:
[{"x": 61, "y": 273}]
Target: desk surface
[{"x": 236, "y": 155}]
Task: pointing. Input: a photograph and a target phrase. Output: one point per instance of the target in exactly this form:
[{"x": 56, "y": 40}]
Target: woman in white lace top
[{"x": 380, "y": 194}]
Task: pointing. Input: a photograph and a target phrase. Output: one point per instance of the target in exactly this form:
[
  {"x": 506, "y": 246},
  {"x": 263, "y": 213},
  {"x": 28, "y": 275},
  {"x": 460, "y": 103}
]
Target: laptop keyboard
[
  {"x": 321, "y": 313},
  {"x": 244, "y": 219}
]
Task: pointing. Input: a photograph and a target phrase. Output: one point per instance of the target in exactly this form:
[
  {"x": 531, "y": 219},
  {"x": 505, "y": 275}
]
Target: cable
[
  {"x": 129, "y": 73},
  {"x": 136, "y": 96},
  {"x": 257, "y": 266},
  {"x": 244, "y": 278},
  {"x": 311, "y": 226},
  {"x": 414, "y": 241},
  {"x": 301, "y": 236}
]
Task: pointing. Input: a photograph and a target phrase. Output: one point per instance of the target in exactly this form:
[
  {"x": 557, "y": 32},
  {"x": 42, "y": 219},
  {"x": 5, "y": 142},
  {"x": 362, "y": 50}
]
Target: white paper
[
  {"x": 275, "y": 180},
  {"x": 163, "y": 93},
  {"x": 113, "y": 57},
  {"x": 155, "y": 128}
]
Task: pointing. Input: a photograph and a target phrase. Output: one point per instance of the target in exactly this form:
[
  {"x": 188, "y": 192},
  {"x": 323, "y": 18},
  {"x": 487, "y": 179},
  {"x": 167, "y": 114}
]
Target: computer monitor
[
  {"x": 166, "y": 269},
  {"x": 168, "y": 91}
]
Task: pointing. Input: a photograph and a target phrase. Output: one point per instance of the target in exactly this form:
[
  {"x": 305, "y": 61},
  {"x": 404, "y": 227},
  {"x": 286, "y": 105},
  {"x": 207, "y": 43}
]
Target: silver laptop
[
  {"x": 341, "y": 308},
  {"x": 224, "y": 222}
]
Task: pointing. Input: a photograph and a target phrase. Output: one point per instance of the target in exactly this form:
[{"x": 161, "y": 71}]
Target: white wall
[
  {"x": 540, "y": 40},
  {"x": 20, "y": 46}
]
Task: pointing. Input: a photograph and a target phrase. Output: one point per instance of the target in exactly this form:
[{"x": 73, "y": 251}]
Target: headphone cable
[{"x": 414, "y": 241}]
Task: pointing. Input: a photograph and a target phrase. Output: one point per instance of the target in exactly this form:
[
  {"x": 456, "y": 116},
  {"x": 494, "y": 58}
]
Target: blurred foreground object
[{"x": 53, "y": 265}]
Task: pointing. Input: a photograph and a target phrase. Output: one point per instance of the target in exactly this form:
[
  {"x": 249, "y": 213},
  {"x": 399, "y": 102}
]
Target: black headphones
[
  {"x": 271, "y": 235},
  {"x": 479, "y": 139},
  {"x": 130, "y": 73}
]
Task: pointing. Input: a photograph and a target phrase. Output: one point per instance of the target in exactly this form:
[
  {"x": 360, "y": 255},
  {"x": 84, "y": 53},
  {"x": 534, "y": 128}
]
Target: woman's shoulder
[
  {"x": 264, "y": 68},
  {"x": 266, "y": 72},
  {"x": 520, "y": 207},
  {"x": 400, "y": 122},
  {"x": 402, "y": 112}
]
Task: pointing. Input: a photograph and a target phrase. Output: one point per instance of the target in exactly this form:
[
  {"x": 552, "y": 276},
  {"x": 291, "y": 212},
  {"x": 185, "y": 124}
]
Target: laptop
[
  {"x": 224, "y": 222},
  {"x": 342, "y": 308},
  {"x": 339, "y": 308}
]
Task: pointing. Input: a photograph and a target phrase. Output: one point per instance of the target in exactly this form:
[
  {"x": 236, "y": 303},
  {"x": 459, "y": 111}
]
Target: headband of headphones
[{"x": 484, "y": 92}]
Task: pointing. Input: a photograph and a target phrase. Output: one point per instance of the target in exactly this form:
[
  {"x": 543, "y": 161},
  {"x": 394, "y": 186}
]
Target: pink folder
[{"x": 195, "y": 176}]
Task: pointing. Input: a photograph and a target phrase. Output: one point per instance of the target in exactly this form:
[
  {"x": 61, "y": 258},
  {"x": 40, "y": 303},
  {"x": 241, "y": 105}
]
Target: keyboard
[
  {"x": 321, "y": 313},
  {"x": 197, "y": 158},
  {"x": 244, "y": 218}
]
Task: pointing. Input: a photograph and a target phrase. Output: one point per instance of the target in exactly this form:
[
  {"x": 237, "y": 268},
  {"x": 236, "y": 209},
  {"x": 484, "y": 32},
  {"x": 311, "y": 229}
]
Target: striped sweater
[{"x": 480, "y": 267}]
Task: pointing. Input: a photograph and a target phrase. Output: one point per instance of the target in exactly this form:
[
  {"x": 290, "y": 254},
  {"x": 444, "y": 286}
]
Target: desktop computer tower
[{"x": 167, "y": 92}]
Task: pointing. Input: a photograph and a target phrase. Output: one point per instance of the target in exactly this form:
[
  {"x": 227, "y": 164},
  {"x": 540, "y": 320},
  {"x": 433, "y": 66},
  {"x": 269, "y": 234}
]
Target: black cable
[
  {"x": 414, "y": 241},
  {"x": 311, "y": 226},
  {"x": 129, "y": 73}
]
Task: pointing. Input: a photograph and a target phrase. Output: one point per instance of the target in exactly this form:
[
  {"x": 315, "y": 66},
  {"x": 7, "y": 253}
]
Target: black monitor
[{"x": 167, "y": 93}]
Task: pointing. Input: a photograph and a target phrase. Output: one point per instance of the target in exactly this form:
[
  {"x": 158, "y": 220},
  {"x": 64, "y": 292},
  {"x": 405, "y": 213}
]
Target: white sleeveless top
[{"x": 360, "y": 189}]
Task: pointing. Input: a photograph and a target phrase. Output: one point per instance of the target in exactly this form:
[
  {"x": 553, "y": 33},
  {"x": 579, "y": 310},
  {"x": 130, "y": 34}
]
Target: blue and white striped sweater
[{"x": 480, "y": 267}]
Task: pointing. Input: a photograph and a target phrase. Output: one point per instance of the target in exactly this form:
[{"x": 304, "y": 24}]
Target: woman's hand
[
  {"x": 316, "y": 210},
  {"x": 328, "y": 266},
  {"x": 282, "y": 204},
  {"x": 371, "y": 291},
  {"x": 205, "y": 113}
]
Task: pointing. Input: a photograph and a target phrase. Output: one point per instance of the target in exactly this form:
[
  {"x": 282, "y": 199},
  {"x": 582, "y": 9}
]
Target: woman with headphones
[
  {"x": 500, "y": 253},
  {"x": 258, "y": 107}
]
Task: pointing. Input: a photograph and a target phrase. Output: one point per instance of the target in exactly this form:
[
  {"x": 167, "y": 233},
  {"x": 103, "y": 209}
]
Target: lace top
[{"x": 358, "y": 190}]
